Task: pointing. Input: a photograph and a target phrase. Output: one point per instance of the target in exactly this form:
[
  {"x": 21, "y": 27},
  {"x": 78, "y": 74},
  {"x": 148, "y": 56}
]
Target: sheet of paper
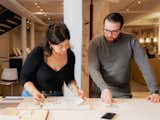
[
  {"x": 66, "y": 103},
  {"x": 51, "y": 106},
  {"x": 65, "y": 100},
  {"x": 28, "y": 105}
]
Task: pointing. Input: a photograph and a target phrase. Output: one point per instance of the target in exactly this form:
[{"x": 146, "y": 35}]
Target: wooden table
[{"x": 125, "y": 109}]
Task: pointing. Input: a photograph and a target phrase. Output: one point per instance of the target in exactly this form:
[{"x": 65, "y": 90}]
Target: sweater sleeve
[
  {"x": 31, "y": 65},
  {"x": 143, "y": 64},
  {"x": 94, "y": 66}
]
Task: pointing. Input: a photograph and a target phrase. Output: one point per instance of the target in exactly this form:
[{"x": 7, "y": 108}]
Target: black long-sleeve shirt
[
  {"x": 110, "y": 64},
  {"x": 36, "y": 70}
]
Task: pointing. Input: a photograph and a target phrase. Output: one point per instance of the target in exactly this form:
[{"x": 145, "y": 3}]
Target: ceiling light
[
  {"x": 39, "y": 13},
  {"x": 27, "y": 21},
  {"x": 141, "y": 40},
  {"x": 35, "y": 3},
  {"x": 139, "y": 2},
  {"x": 41, "y": 10},
  {"x": 148, "y": 40},
  {"x": 154, "y": 39},
  {"x": 127, "y": 9},
  {"x": 38, "y": 6}
]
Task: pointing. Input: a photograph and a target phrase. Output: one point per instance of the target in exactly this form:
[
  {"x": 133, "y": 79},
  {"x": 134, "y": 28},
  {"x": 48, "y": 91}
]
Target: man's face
[{"x": 111, "y": 30}]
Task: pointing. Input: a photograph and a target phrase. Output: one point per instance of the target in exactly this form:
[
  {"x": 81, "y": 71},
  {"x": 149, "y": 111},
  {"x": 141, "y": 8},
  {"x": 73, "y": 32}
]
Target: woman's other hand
[{"x": 81, "y": 94}]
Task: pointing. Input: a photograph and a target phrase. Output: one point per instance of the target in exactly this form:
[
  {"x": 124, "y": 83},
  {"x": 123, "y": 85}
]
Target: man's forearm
[{"x": 98, "y": 79}]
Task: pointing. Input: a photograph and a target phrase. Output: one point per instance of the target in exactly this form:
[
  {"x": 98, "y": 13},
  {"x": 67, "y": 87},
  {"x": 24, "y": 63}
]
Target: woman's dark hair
[
  {"x": 114, "y": 17},
  {"x": 56, "y": 34}
]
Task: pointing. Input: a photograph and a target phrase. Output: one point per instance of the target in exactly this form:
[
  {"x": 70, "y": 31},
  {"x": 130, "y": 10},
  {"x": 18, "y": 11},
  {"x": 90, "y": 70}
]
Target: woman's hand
[
  {"x": 76, "y": 90},
  {"x": 38, "y": 97},
  {"x": 81, "y": 94}
]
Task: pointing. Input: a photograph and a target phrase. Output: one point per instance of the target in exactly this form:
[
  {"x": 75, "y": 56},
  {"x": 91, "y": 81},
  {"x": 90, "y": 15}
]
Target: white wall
[
  {"x": 13, "y": 39},
  {"x": 73, "y": 20}
]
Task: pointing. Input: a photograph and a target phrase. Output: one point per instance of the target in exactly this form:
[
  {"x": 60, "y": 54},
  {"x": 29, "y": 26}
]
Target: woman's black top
[{"x": 36, "y": 70}]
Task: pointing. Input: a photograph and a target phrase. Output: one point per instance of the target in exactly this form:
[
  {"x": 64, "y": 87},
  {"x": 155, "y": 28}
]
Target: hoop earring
[{"x": 51, "y": 48}]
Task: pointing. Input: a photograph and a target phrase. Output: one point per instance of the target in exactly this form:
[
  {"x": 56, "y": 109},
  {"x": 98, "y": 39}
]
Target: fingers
[
  {"x": 154, "y": 98},
  {"x": 81, "y": 94},
  {"x": 106, "y": 97},
  {"x": 109, "y": 100},
  {"x": 38, "y": 97},
  {"x": 114, "y": 100}
]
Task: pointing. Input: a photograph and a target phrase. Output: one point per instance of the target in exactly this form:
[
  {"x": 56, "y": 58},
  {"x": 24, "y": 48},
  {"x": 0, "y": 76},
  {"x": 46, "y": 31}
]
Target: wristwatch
[{"x": 156, "y": 92}]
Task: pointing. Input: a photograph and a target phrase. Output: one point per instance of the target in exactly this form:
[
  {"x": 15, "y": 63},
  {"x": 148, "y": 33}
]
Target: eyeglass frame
[{"x": 113, "y": 32}]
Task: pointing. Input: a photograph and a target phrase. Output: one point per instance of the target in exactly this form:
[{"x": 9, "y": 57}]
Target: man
[{"x": 110, "y": 62}]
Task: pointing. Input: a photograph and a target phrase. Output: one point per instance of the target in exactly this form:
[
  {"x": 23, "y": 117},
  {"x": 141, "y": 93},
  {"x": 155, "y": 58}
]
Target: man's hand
[
  {"x": 106, "y": 97},
  {"x": 154, "y": 98}
]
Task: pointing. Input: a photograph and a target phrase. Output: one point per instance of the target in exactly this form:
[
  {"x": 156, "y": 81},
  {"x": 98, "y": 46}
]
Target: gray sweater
[{"x": 110, "y": 64}]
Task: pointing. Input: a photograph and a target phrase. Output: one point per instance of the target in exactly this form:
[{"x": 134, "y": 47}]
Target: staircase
[{"x": 8, "y": 20}]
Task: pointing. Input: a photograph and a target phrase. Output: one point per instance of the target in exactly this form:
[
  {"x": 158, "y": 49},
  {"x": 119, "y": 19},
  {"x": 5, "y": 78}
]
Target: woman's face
[{"x": 61, "y": 48}]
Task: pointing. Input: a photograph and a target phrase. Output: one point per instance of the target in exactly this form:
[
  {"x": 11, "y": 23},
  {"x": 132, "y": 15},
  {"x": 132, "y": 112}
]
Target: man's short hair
[{"x": 114, "y": 17}]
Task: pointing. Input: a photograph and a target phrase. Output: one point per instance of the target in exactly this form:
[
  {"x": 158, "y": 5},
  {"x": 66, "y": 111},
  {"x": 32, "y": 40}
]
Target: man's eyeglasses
[{"x": 113, "y": 32}]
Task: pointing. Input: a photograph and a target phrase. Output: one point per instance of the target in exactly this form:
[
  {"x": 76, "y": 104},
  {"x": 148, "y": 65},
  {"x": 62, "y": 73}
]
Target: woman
[{"x": 47, "y": 67}]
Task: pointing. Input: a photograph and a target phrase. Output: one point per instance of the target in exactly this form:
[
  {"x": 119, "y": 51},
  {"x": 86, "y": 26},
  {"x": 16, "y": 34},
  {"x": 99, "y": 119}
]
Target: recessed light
[
  {"x": 36, "y": 3},
  {"x": 139, "y": 2},
  {"x": 41, "y": 9},
  {"x": 127, "y": 9},
  {"x": 27, "y": 21}
]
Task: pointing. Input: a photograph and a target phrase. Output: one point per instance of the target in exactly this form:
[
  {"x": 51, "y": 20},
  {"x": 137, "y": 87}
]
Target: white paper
[
  {"x": 66, "y": 100},
  {"x": 70, "y": 103},
  {"x": 28, "y": 105}
]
